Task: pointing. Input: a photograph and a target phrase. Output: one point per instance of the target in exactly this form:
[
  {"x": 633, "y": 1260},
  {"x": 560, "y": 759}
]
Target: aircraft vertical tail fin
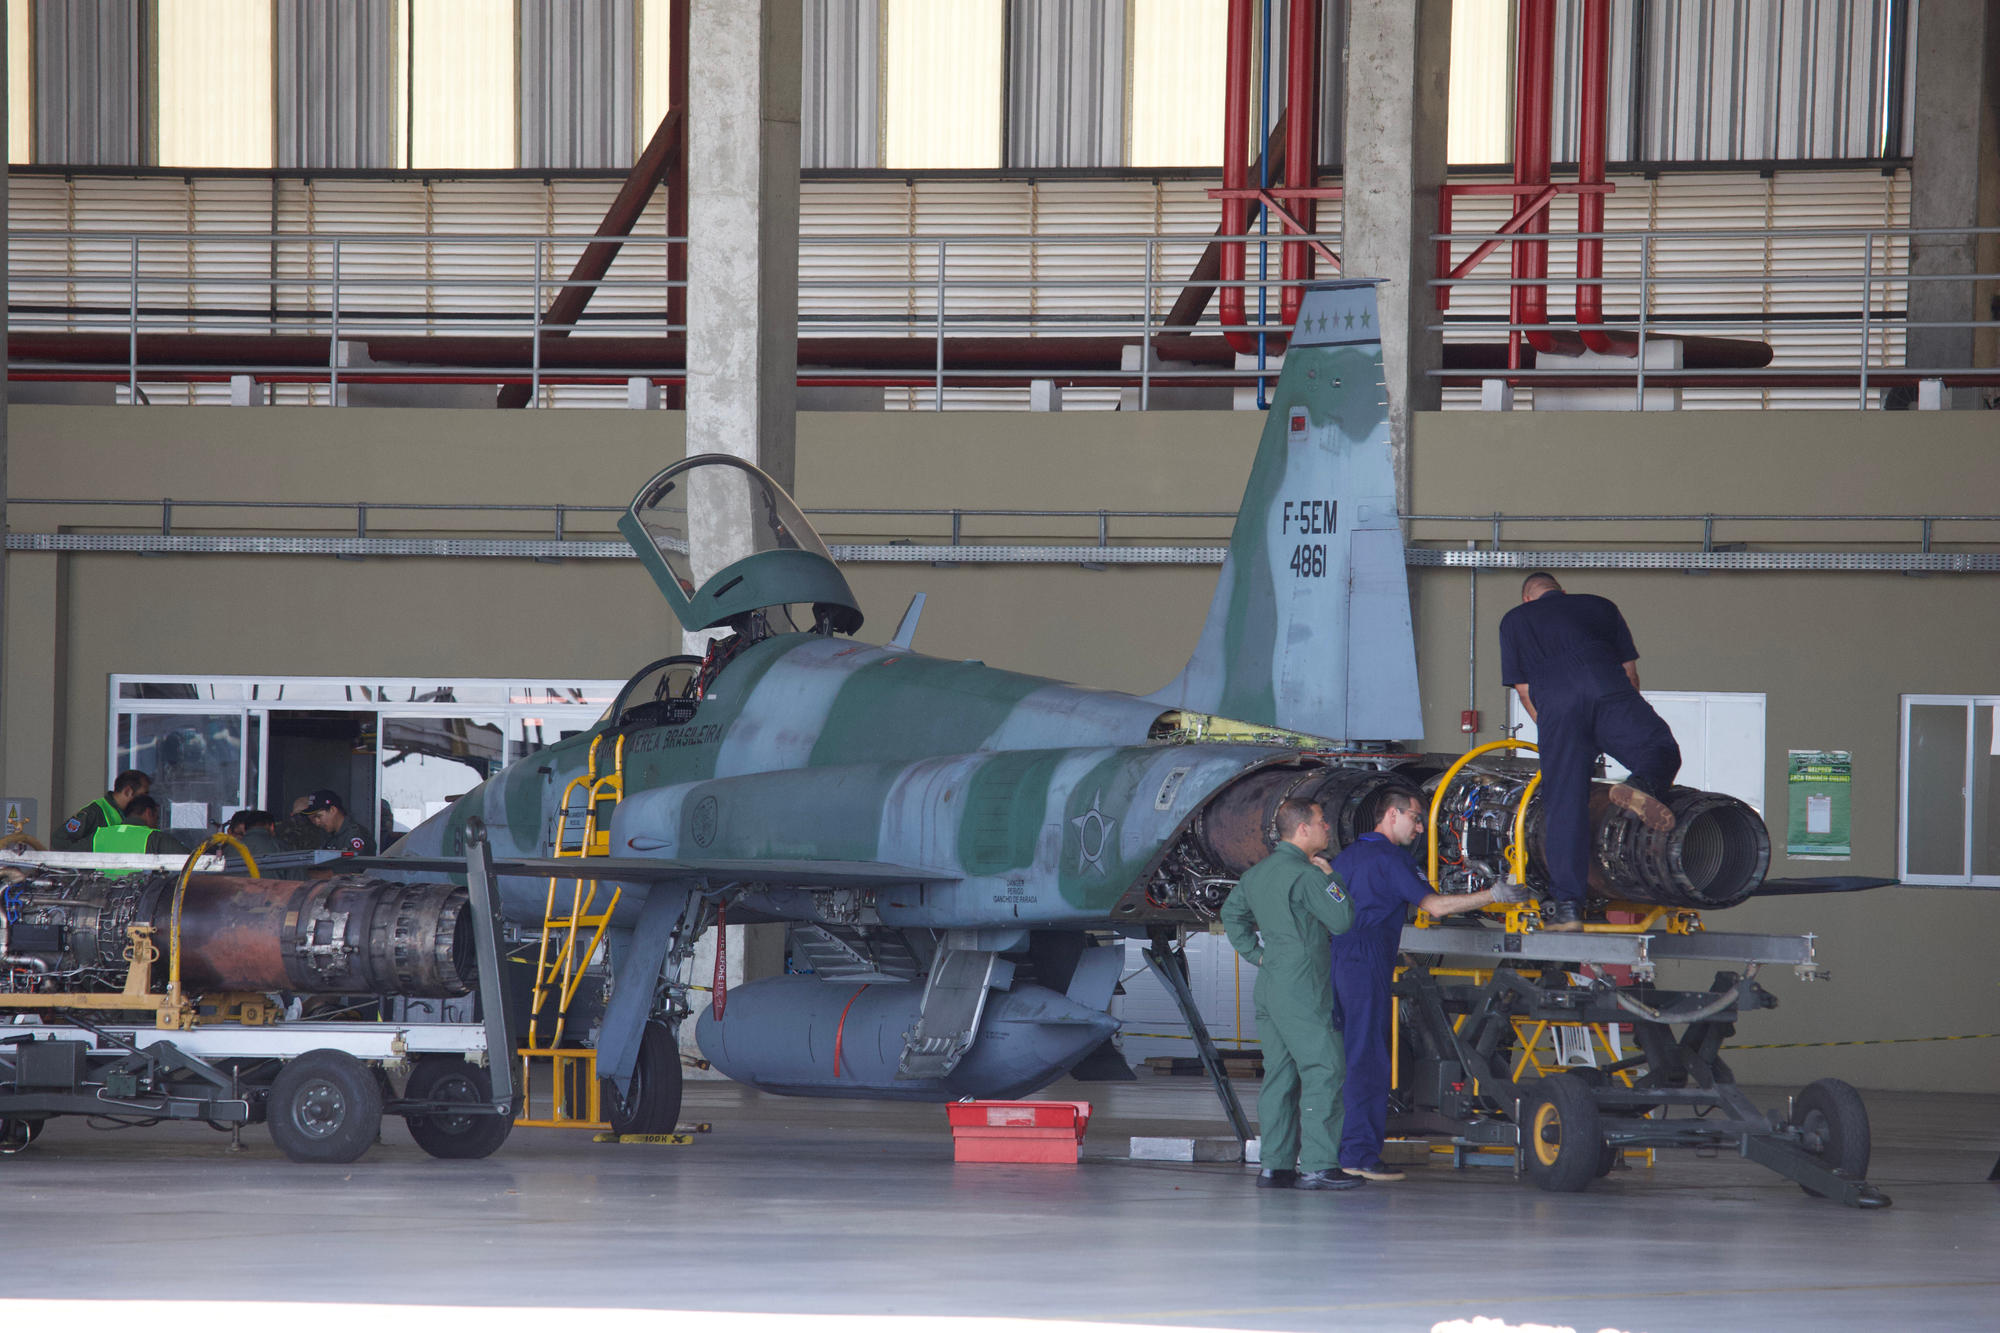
[{"x": 1310, "y": 627}]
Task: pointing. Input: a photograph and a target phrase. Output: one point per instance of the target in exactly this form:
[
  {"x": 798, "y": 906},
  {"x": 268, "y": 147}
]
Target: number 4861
[{"x": 1309, "y": 560}]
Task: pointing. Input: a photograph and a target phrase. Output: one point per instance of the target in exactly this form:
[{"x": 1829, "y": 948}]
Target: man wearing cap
[
  {"x": 79, "y": 832},
  {"x": 327, "y": 811}
]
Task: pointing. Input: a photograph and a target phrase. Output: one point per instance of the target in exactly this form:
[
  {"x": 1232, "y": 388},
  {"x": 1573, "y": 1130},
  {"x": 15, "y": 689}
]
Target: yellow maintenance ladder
[{"x": 571, "y": 934}]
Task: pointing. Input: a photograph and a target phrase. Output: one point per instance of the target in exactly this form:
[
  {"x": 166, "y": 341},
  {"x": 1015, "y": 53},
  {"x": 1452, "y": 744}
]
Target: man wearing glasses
[{"x": 1383, "y": 882}]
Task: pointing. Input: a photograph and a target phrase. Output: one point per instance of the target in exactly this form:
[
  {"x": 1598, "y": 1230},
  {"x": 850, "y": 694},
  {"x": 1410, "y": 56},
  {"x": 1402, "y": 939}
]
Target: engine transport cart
[
  {"x": 321, "y": 1085},
  {"x": 1475, "y": 1005}
]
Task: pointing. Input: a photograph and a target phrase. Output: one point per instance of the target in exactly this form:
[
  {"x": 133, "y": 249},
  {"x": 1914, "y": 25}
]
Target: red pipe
[
  {"x": 1534, "y": 88},
  {"x": 1236, "y": 169},
  {"x": 1595, "y": 99},
  {"x": 1301, "y": 143}
]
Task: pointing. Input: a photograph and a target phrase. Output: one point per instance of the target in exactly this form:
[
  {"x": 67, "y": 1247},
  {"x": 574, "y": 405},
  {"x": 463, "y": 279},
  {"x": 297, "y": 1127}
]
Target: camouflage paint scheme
[{"x": 1005, "y": 800}]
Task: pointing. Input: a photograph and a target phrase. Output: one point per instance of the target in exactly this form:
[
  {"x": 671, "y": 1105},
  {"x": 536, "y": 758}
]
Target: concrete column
[
  {"x": 1398, "y": 85},
  {"x": 1955, "y": 182},
  {"x": 743, "y": 233}
]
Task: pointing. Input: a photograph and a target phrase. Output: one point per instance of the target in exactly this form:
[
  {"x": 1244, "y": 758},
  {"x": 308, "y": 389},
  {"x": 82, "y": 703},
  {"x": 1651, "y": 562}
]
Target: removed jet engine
[
  {"x": 343, "y": 935},
  {"x": 1716, "y": 855}
]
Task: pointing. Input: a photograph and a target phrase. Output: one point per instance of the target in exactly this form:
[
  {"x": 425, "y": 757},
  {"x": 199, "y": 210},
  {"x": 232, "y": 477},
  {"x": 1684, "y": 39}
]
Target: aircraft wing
[
  {"x": 817, "y": 874},
  {"x": 1823, "y": 884}
]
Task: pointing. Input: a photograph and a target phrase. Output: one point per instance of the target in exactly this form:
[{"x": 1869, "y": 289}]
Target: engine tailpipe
[{"x": 1716, "y": 855}]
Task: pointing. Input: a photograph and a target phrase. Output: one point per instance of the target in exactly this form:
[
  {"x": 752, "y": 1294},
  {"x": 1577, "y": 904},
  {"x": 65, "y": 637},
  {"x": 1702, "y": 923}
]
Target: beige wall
[{"x": 1831, "y": 652}]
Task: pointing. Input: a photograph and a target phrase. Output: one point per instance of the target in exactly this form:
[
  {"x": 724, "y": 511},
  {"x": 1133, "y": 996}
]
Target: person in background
[
  {"x": 139, "y": 833},
  {"x": 79, "y": 832},
  {"x": 327, "y": 811}
]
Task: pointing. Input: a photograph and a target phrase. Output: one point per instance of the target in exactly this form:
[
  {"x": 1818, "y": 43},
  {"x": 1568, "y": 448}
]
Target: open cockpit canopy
[{"x": 722, "y": 540}]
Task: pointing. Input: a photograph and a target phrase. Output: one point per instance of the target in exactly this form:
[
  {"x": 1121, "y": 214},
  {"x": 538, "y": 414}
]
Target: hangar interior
[{"x": 1001, "y": 292}]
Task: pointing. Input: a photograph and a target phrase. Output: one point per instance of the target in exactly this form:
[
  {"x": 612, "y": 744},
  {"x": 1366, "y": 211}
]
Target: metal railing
[
  {"x": 1660, "y": 287},
  {"x": 1830, "y": 300},
  {"x": 1911, "y": 543}
]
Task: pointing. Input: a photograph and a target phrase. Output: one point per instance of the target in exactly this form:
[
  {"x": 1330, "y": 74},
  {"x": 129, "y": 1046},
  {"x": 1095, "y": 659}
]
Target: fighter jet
[{"x": 951, "y": 841}]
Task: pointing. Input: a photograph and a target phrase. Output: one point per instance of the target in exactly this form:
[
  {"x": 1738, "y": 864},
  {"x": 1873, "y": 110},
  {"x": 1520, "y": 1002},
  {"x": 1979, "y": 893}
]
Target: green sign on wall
[{"x": 1820, "y": 782}]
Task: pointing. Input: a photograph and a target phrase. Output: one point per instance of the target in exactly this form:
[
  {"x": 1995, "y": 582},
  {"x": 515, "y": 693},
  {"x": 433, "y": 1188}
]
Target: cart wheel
[
  {"x": 654, "y": 1106},
  {"x": 447, "y": 1078},
  {"x": 1833, "y": 1126},
  {"x": 1563, "y": 1132},
  {"x": 16, "y": 1135},
  {"x": 325, "y": 1106}
]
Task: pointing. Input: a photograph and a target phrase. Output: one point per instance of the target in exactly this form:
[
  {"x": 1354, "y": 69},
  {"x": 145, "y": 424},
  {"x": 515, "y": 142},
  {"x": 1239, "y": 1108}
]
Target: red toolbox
[{"x": 1017, "y": 1131}]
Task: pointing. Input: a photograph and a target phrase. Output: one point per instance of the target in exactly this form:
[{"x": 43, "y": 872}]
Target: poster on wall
[{"x": 1819, "y": 782}]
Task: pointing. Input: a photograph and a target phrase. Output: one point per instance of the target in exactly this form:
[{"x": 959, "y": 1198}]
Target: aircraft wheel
[
  {"x": 325, "y": 1106},
  {"x": 654, "y": 1104},
  {"x": 1563, "y": 1132},
  {"x": 1833, "y": 1126},
  {"x": 459, "y": 1137}
]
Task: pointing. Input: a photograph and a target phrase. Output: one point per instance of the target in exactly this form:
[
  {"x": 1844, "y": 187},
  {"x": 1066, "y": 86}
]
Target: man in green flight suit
[
  {"x": 1296, "y": 904},
  {"x": 78, "y": 833}
]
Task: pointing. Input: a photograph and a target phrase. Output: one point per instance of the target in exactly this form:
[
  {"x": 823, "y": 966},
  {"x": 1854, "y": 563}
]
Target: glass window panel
[
  {"x": 429, "y": 762},
  {"x": 941, "y": 94},
  {"x": 1985, "y": 795},
  {"x": 456, "y": 61},
  {"x": 20, "y": 89},
  {"x": 1934, "y": 820},
  {"x": 194, "y": 759},
  {"x": 215, "y": 100},
  {"x": 536, "y": 732},
  {"x": 253, "y": 760},
  {"x": 1177, "y": 77},
  {"x": 1481, "y": 106}
]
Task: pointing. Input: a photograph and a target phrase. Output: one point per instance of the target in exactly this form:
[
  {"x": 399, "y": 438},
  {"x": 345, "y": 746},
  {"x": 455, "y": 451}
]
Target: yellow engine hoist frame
[
  {"x": 571, "y": 936},
  {"x": 1519, "y": 917}
]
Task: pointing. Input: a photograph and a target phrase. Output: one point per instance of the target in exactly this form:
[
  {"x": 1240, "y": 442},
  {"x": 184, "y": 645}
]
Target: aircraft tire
[
  {"x": 1834, "y": 1122},
  {"x": 16, "y": 1135},
  {"x": 325, "y": 1106},
  {"x": 1563, "y": 1133},
  {"x": 655, "y": 1104},
  {"x": 455, "y": 1137}
]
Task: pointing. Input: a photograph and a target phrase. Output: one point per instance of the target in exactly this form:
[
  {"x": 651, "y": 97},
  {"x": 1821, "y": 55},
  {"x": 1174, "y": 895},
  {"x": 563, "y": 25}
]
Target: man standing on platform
[
  {"x": 1383, "y": 884},
  {"x": 1281, "y": 916},
  {"x": 1571, "y": 659}
]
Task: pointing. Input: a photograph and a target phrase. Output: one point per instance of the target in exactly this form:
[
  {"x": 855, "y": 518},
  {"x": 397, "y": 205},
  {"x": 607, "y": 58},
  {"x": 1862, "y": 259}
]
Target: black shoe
[
  {"x": 1277, "y": 1180},
  {"x": 1559, "y": 914},
  {"x": 1333, "y": 1179}
]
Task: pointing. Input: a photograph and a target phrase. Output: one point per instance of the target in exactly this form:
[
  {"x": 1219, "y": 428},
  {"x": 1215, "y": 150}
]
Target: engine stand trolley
[
  {"x": 146, "y": 1053},
  {"x": 1475, "y": 1004}
]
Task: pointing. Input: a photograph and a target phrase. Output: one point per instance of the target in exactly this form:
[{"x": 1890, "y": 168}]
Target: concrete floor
[{"x": 856, "y": 1208}]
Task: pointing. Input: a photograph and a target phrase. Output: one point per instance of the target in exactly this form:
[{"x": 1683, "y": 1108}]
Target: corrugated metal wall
[
  {"x": 1691, "y": 81},
  {"x": 92, "y": 102},
  {"x": 1774, "y": 287},
  {"x": 578, "y": 85},
  {"x": 841, "y": 94},
  {"x": 336, "y": 85},
  {"x": 1066, "y": 83},
  {"x": 1742, "y": 80}
]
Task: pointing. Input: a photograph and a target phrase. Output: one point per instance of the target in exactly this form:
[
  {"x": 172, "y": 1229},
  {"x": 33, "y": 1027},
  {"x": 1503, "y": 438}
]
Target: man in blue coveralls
[
  {"x": 1571, "y": 659},
  {"x": 1383, "y": 882}
]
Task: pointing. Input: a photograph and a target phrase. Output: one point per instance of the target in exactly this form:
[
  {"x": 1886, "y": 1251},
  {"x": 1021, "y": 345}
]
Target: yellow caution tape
[{"x": 1868, "y": 1041}]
